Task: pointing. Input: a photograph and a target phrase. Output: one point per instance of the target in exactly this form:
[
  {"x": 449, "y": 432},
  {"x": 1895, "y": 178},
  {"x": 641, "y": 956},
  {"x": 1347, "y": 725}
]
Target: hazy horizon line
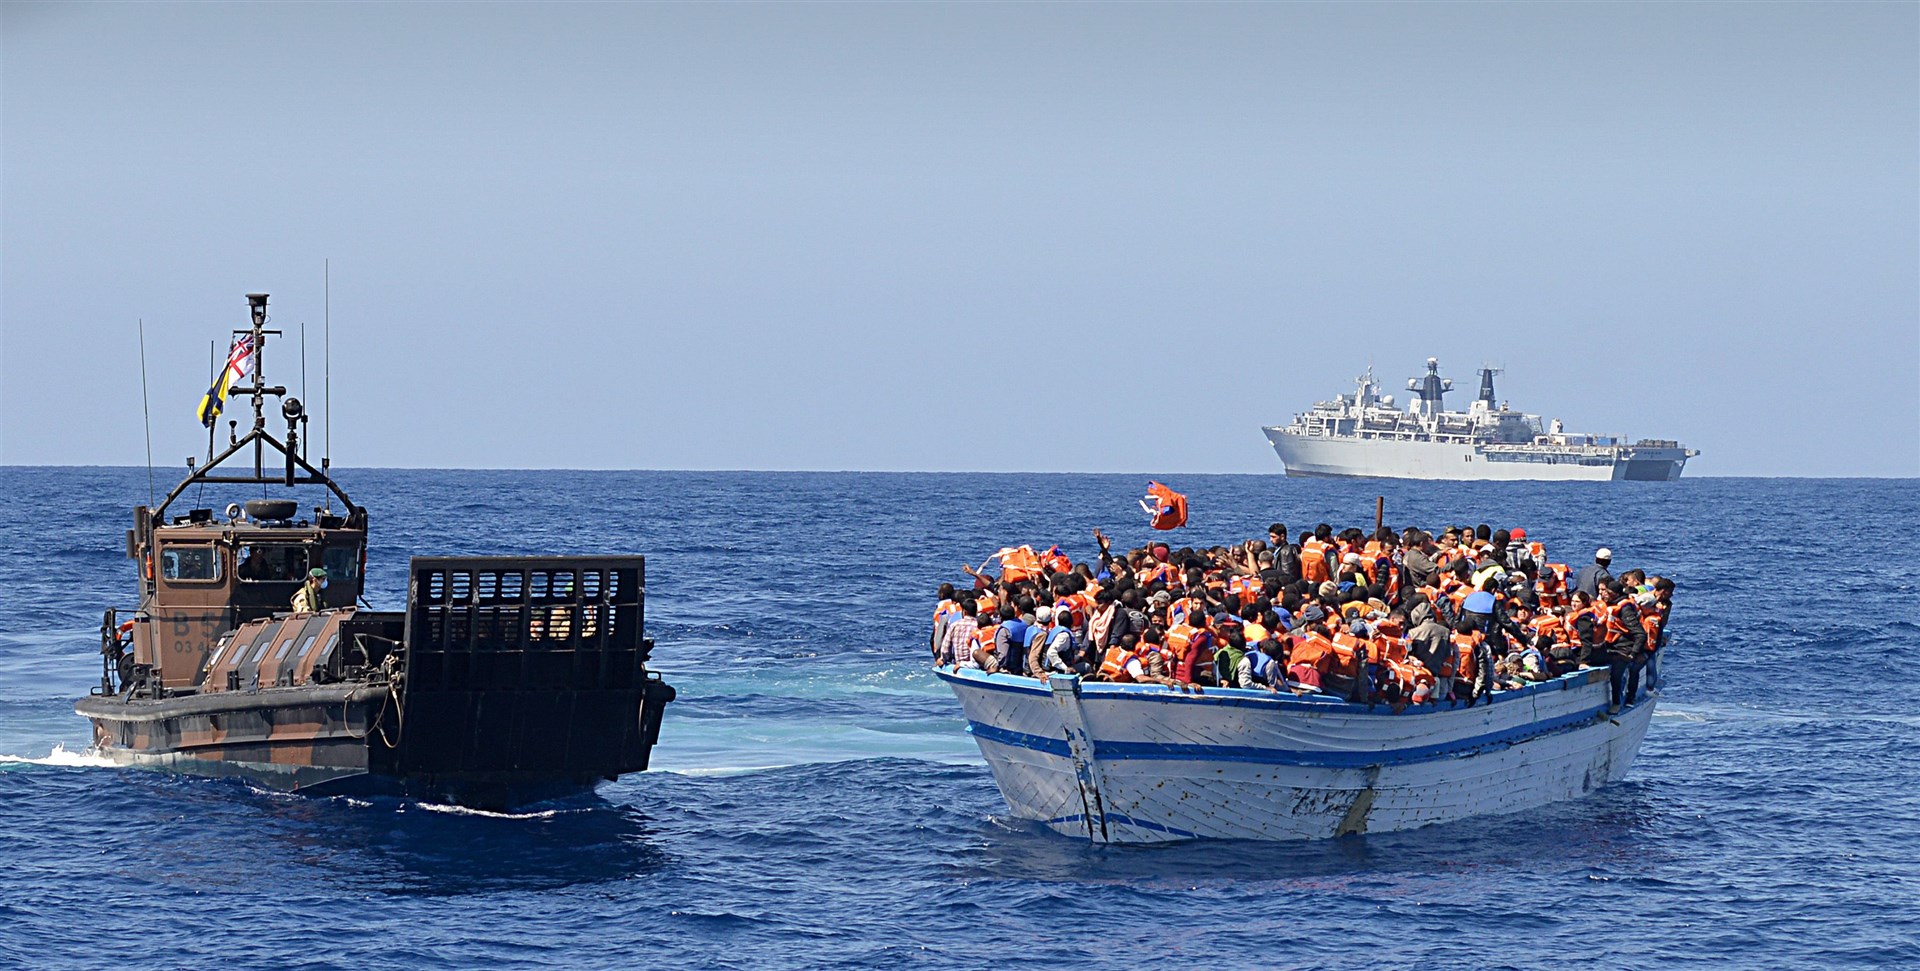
[{"x": 791, "y": 471}]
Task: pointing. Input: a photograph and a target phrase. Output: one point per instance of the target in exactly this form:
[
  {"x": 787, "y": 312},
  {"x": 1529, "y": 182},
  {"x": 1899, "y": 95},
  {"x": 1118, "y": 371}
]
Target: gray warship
[{"x": 1364, "y": 435}]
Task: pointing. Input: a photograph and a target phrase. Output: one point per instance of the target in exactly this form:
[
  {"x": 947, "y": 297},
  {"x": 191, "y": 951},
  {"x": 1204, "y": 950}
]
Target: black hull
[{"x": 486, "y": 750}]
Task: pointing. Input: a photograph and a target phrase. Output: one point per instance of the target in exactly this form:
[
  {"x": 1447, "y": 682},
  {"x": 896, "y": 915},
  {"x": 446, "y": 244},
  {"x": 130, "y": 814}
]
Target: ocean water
[{"x": 815, "y": 802}]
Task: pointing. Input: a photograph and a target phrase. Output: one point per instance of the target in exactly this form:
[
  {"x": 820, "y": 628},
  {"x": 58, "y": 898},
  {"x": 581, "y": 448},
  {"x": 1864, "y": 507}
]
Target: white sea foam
[
  {"x": 438, "y": 807},
  {"x": 722, "y": 771},
  {"x": 85, "y": 759}
]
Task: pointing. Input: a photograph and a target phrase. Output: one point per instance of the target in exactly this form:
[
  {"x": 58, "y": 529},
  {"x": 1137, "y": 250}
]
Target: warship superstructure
[
  {"x": 1365, "y": 435},
  {"x": 505, "y": 681}
]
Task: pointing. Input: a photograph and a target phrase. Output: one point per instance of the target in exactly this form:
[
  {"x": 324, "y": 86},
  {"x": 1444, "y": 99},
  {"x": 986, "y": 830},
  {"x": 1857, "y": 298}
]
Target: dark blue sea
[{"x": 815, "y": 802}]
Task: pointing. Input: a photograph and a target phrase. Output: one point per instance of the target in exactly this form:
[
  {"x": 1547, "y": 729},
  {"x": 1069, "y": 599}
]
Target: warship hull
[
  {"x": 1137, "y": 763},
  {"x": 1332, "y": 457}
]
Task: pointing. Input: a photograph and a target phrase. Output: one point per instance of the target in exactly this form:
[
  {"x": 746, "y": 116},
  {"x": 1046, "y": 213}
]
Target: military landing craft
[{"x": 505, "y": 681}]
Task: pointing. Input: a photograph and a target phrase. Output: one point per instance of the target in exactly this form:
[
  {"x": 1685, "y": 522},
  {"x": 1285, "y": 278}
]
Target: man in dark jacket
[{"x": 1626, "y": 644}]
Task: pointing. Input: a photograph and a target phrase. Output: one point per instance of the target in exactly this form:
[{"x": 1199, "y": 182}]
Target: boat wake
[
  {"x": 85, "y": 759},
  {"x": 441, "y": 807}
]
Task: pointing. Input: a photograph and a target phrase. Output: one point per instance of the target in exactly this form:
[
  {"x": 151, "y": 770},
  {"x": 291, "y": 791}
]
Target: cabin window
[
  {"x": 272, "y": 563},
  {"x": 342, "y": 563},
  {"x": 195, "y": 562}
]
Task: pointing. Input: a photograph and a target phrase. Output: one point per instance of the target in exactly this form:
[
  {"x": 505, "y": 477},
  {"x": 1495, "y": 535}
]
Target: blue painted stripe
[
  {"x": 1007, "y": 736},
  {"x": 1180, "y": 752},
  {"x": 1125, "y": 821},
  {"x": 1156, "y": 827}
]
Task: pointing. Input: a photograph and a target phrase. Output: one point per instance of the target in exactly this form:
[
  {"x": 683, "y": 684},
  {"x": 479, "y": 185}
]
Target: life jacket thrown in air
[
  {"x": 1167, "y": 508},
  {"x": 1018, "y": 563}
]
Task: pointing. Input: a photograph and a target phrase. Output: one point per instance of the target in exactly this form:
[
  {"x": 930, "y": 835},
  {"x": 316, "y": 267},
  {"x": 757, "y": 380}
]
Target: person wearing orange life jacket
[
  {"x": 1313, "y": 656},
  {"x": 1473, "y": 661},
  {"x": 983, "y": 642},
  {"x": 1113, "y": 665},
  {"x": 943, "y": 614},
  {"x": 958, "y": 640},
  {"x": 1582, "y": 624},
  {"x": 1191, "y": 648},
  {"x": 1244, "y": 588},
  {"x": 1187, "y": 608},
  {"x": 1551, "y": 586},
  {"x": 1653, "y": 616},
  {"x": 1354, "y": 654},
  {"x": 1137, "y": 662},
  {"x": 1316, "y": 557},
  {"x": 1626, "y": 645}
]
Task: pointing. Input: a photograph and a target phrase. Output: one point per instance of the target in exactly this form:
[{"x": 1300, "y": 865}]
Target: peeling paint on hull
[{"x": 1132, "y": 763}]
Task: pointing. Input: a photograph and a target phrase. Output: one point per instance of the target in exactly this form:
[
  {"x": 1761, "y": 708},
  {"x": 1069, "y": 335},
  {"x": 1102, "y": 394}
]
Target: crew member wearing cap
[
  {"x": 1595, "y": 575},
  {"x": 308, "y": 601}
]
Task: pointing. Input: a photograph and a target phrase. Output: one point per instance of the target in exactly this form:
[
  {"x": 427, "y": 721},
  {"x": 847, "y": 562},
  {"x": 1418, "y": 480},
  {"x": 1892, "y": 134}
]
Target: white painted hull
[
  {"x": 1305, "y": 455},
  {"x": 1132, "y": 763}
]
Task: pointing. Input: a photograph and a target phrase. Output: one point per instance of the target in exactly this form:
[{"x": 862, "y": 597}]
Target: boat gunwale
[{"x": 1254, "y": 698}]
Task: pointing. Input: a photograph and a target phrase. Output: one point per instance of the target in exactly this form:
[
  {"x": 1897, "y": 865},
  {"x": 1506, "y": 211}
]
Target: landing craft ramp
[{"x": 520, "y": 667}]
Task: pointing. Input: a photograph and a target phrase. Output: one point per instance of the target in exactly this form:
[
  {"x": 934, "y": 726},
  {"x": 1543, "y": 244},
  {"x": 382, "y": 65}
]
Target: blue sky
[{"x": 986, "y": 236}]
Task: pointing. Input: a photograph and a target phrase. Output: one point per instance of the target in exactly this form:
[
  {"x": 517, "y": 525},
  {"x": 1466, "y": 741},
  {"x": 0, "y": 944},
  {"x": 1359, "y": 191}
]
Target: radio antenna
[
  {"x": 326, "y": 357},
  {"x": 146, "y": 413},
  {"x": 303, "y": 383}
]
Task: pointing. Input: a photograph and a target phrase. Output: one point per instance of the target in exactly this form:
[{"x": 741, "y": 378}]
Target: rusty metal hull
[
  {"x": 350, "y": 739},
  {"x": 298, "y": 739}
]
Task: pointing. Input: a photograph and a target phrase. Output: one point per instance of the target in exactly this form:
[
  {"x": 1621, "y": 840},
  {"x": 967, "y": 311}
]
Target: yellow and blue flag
[{"x": 238, "y": 360}]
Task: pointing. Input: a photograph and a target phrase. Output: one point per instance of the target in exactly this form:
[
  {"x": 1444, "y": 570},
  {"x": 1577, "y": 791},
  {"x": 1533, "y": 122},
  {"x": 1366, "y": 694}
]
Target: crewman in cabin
[{"x": 307, "y": 600}]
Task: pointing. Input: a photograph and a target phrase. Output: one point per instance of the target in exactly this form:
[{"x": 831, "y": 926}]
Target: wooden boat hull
[{"x": 1136, "y": 763}]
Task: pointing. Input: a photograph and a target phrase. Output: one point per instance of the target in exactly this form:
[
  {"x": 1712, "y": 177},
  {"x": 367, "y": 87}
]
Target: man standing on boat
[
  {"x": 1594, "y": 575},
  {"x": 308, "y": 601}
]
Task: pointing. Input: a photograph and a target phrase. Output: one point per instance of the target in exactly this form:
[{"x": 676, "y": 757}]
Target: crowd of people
[{"x": 1389, "y": 617}]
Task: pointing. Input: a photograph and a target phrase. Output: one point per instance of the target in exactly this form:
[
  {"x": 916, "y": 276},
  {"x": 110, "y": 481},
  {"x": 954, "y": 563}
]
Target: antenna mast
[
  {"x": 326, "y": 357},
  {"x": 146, "y": 413}
]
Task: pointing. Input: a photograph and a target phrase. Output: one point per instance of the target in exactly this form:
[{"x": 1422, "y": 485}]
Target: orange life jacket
[
  {"x": 1346, "y": 653},
  {"x": 1018, "y": 563},
  {"x": 1179, "y": 638},
  {"x": 1410, "y": 674},
  {"x": 986, "y": 605},
  {"x": 1549, "y": 625},
  {"x": 1163, "y": 572},
  {"x": 1114, "y": 666},
  {"x": 1313, "y": 651},
  {"x": 1077, "y": 607},
  {"x": 1247, "y": 588},
  {"x": 1613, "y": 629},
  {"x": 1056, "y": 561},
  {"x": 946, "y": 608},
  {"x": 1179, "y": 643},
  {"x": 1170, "y": 507},
  {"x": 1464, "y": 645},
  {"x": 1313, "y": 560},
  {"x": 1571, "y": 622},
  {"x": 1388, "y": 647},
  {"x": 1653, "y": 620},
  {"x": 1184, "y": 608}
]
